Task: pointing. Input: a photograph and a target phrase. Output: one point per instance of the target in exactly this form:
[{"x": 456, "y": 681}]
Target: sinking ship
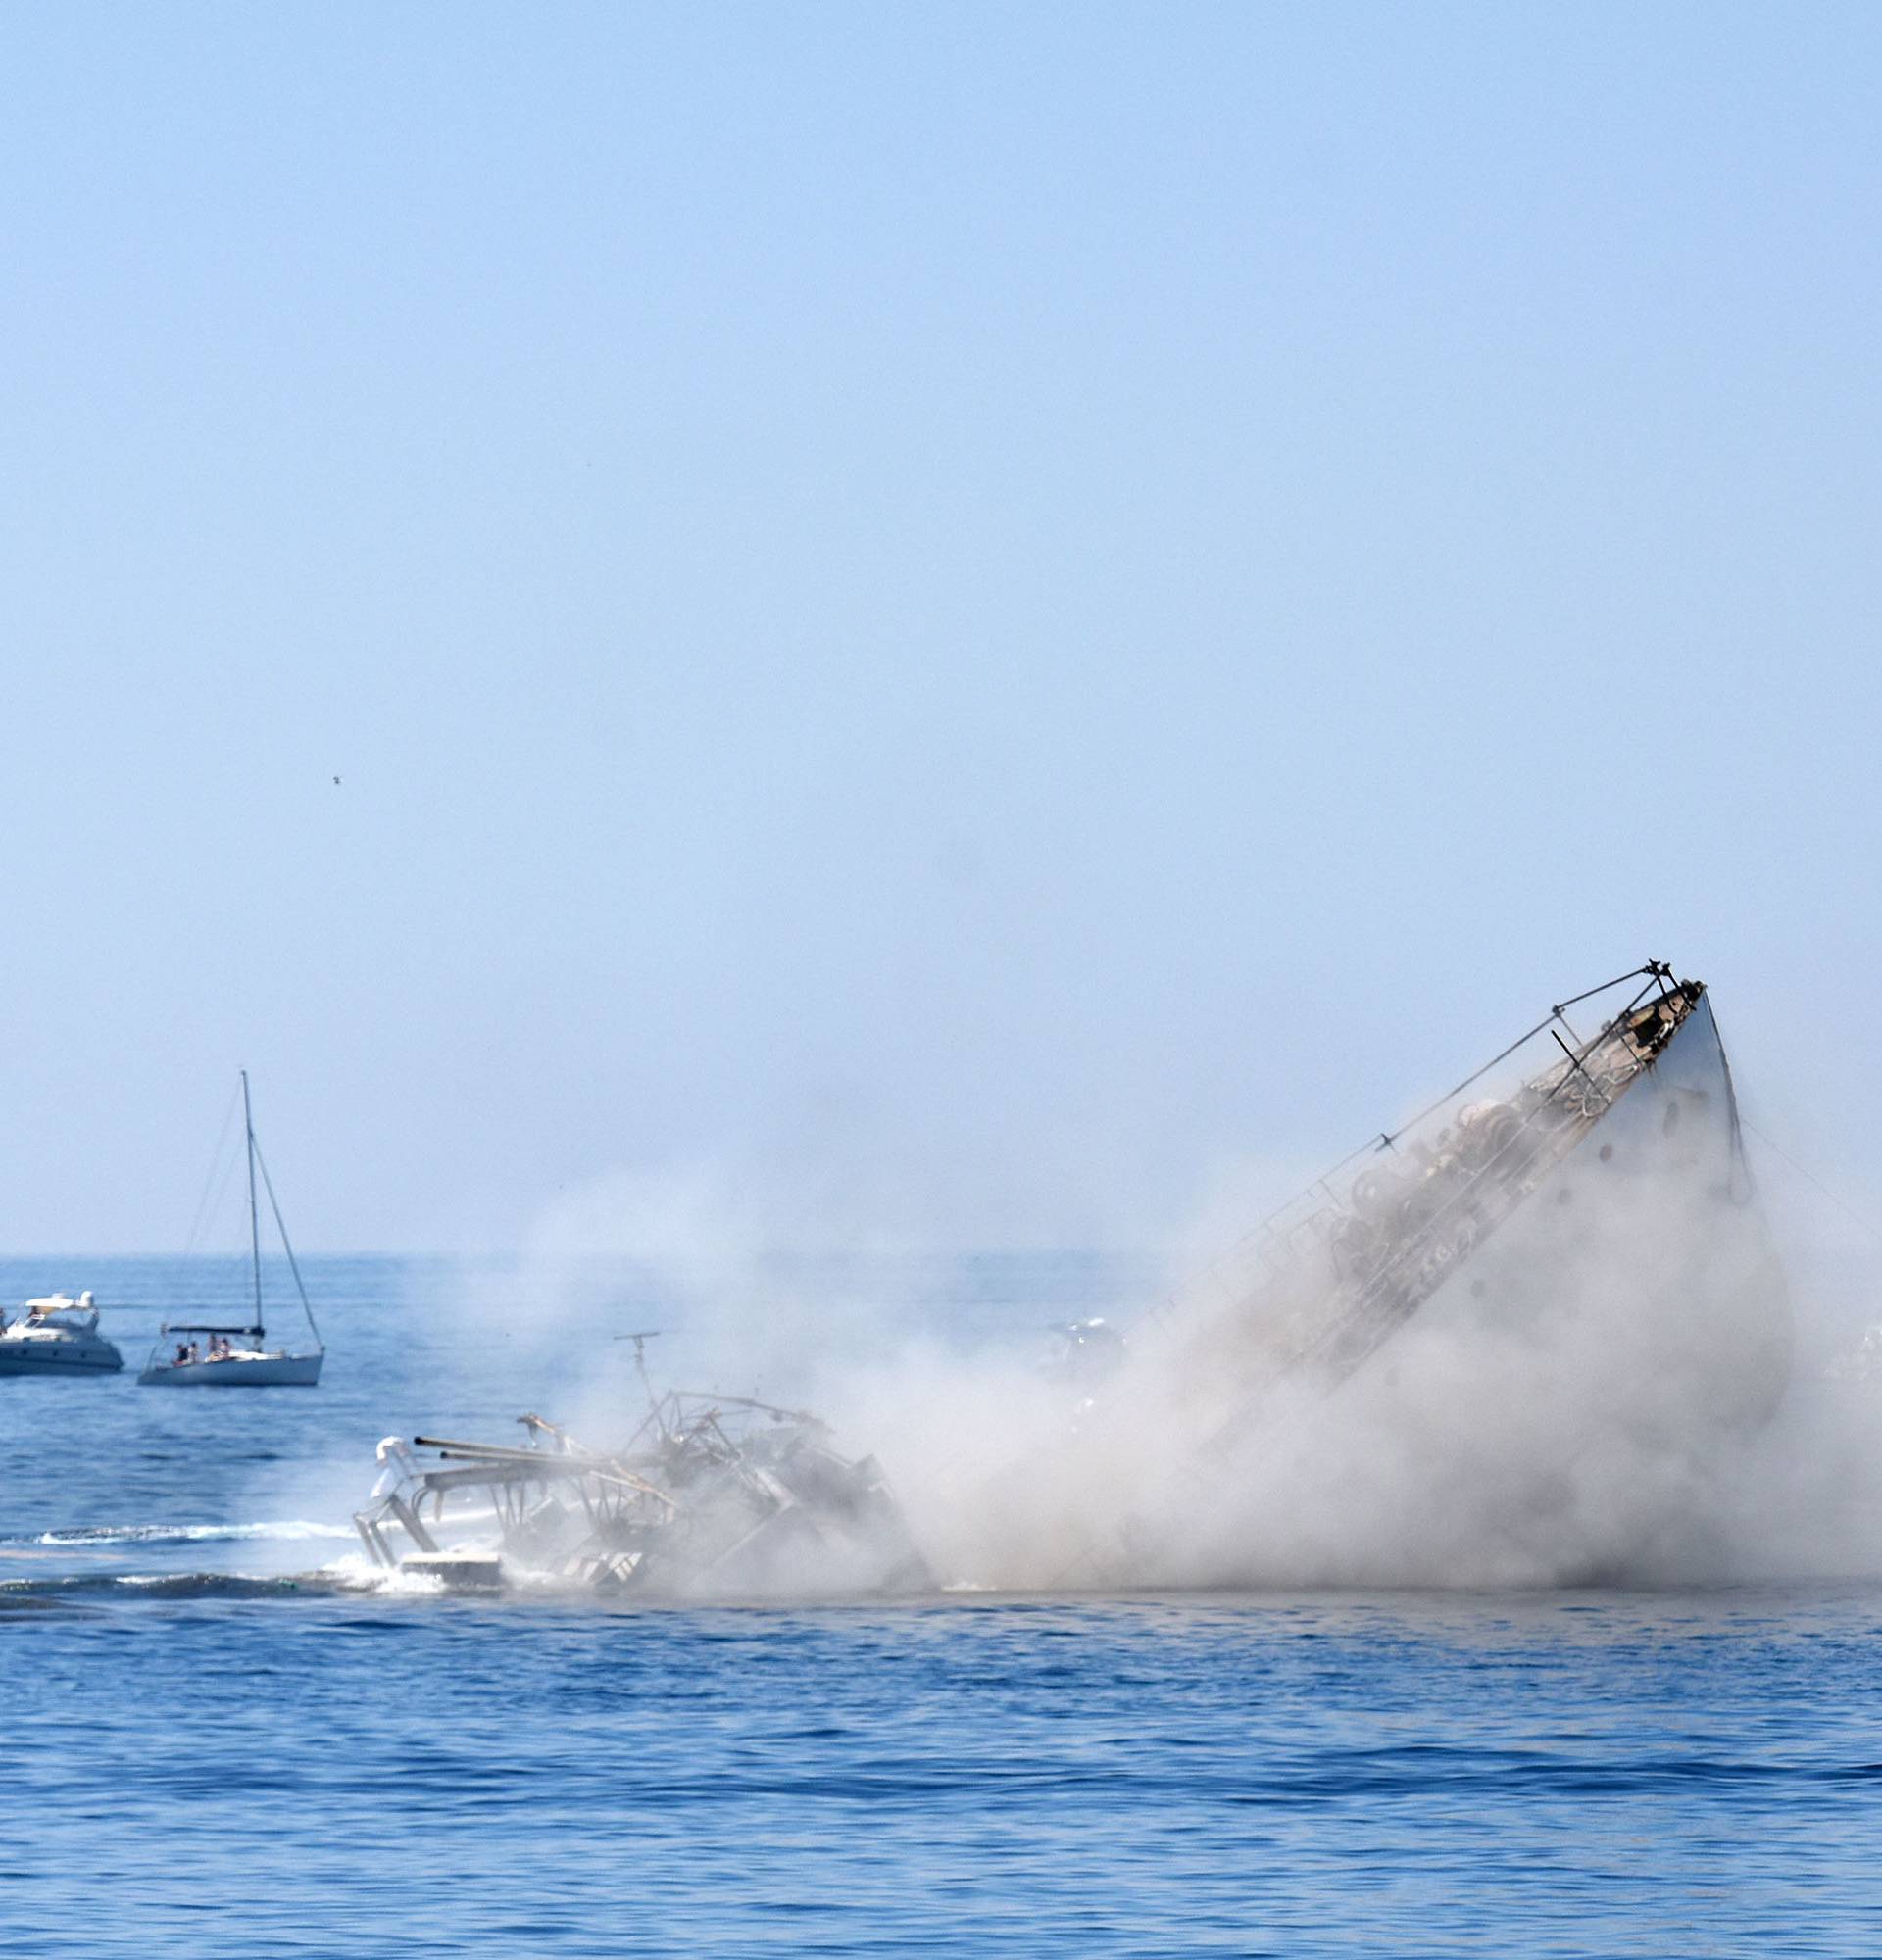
[
  {"x": 1515, "y": 1338},
  {"x": 1608, "y": 1184},
  {"x": 1536, "y": 1316}
]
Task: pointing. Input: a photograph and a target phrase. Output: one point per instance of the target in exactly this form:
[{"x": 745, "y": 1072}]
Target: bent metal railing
[{"x": 1389, "y": 1244}]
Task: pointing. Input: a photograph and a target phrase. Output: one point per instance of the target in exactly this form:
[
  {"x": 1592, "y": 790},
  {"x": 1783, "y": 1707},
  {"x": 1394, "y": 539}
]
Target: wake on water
[
  {"x": 101, "y": 1547},
  {"x": 105, "y": 1535}
]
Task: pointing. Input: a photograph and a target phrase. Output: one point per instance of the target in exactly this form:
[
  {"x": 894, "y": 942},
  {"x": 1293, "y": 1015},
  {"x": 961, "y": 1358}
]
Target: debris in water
[{"x": 713, "y": 1495}]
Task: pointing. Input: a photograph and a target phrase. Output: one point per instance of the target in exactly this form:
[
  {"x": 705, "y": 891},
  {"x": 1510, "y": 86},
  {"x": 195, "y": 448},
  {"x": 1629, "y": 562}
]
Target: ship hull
[
  {"x": 1639, "y": 1276},
  {"x": 261, "y": 1371},
  {"x": 1553, "y": 1375},
  {"x": 59, "y": 1357}
]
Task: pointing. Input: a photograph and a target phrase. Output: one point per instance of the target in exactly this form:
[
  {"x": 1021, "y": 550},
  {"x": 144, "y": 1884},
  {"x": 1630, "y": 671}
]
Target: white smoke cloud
[{"x": 1612, "y": 1388}]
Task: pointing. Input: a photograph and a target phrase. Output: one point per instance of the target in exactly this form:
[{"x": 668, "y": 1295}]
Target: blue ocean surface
[{"x": 222, "y": 1740}]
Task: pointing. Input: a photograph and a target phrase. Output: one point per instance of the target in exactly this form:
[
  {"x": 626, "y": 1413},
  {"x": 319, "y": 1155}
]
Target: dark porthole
[{"x": 1607, "y": 1153}]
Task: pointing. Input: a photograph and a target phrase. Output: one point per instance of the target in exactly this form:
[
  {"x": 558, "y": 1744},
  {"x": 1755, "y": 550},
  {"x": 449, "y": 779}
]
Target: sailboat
[{"x": 223, "y": 1355}]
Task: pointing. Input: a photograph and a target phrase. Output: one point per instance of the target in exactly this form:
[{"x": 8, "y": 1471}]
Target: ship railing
[
  {"x": 1384, "y": 1298},
  {"x": 1277, "y": 1242},
  {"x": 1502, "y": 1174}
]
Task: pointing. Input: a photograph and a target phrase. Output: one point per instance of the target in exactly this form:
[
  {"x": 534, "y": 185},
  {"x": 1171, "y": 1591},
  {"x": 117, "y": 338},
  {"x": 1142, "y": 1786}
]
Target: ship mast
[{"x": 254, "y": 1216}]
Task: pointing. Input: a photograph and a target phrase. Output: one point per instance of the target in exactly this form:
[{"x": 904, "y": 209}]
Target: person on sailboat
[{"x": 218, "y": 1359}]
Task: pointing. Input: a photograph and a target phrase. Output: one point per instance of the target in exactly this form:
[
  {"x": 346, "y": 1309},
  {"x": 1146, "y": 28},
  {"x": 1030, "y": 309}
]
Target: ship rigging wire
[{"x": 1848, "y": 1210}]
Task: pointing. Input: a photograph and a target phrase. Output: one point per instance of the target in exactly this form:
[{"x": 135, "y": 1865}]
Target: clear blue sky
[{"x": 963, "y": 614}]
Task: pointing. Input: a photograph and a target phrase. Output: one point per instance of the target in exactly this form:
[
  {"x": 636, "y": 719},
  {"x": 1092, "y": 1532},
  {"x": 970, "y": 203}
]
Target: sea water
[{"x": 219, "y": 1740}]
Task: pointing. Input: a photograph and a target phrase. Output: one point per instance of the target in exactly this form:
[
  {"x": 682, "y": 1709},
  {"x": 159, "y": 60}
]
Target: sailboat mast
[{"x": 254, "y": 1216}]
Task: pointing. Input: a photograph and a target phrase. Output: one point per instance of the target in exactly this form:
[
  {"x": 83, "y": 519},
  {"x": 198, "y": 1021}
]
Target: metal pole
[
  {"x": 1574, "y": 1062},
  {"x": 254, "y": 1216}
]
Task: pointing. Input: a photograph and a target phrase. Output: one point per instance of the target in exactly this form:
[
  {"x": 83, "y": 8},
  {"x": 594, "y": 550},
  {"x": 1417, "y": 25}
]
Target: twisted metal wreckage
[
  {"x": 717, "y": 1495},
  {"x": 713, "y": 1495}
]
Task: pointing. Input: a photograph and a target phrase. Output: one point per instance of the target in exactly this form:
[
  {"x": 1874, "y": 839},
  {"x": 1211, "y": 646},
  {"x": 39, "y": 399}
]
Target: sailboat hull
[{"x": 236, "y": 1371}]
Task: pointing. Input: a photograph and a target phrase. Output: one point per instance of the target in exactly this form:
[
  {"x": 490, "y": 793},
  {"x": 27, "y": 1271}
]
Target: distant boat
[
  {"x": 236, "y": 1356},
  {"x": 57, "y": 1336}
]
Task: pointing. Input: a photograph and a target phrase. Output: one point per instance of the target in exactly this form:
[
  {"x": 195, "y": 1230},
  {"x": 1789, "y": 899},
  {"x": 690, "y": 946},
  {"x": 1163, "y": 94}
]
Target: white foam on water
[{"x": 289, "y": 1529}]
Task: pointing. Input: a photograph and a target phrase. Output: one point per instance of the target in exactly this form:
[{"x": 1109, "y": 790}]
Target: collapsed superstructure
[{"x": 711, "y": 1497}]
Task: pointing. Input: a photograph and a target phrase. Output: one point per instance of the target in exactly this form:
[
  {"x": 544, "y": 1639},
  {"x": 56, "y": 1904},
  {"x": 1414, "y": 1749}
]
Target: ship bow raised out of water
[{"x": 1598, "y": 1206}]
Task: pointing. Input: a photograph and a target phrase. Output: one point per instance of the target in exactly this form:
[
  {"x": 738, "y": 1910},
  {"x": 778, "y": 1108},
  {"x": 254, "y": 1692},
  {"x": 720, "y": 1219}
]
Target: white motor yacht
[{"x": 57, "y": 1334}]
